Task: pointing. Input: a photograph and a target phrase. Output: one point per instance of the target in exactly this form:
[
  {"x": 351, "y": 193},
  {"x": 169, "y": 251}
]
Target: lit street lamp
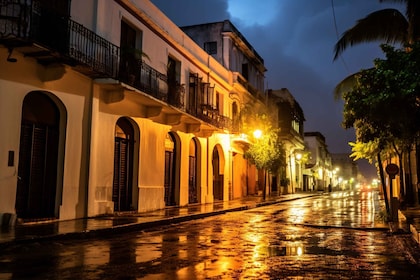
[{"x": 257, "y": 133}]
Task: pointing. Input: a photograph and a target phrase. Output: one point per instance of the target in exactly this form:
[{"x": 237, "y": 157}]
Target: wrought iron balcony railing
[
  {"x": 51, "y": 38},
  {"x": 145, "y": 78},
  {"x": 212, "y": 116},
  {"x": 58, "y": 39}
]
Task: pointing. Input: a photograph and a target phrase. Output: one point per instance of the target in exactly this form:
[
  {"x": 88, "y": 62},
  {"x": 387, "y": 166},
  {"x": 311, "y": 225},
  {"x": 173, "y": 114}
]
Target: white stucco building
[{"x": 108, "y": 106}]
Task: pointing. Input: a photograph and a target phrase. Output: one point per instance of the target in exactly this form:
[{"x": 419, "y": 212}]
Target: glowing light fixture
[{"x": 257, "y": 133}]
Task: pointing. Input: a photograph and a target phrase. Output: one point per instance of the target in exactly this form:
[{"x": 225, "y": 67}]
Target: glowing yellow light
[
  {"x": 257, "y": 133},
  {"x": 299, "y": 251}
]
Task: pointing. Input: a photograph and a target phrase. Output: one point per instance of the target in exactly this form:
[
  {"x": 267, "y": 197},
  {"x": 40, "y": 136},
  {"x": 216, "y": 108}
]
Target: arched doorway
[
  {"x": 193, "y": 193},
  {"x": 39, "y": 185},
  {"x": 124, "y": 196},
  {"x": 170, "y": 181},
  {"x": 218, "y": 178}
]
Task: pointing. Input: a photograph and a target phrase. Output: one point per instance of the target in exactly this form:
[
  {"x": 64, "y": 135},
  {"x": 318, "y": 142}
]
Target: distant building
[
  {"x": 346, "y": 171},
  {"x": 318, "y": 168},
  {"x": 290, "y": 119}
]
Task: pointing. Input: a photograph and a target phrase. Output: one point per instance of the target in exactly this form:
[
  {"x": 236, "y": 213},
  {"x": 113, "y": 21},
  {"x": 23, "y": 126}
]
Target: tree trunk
[
  {"x": 381, "y": 174},
  {"x": 264, "y": 187}
]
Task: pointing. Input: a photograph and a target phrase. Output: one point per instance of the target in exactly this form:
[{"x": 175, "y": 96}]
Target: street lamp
[
  {"x": 294, "y": 175},
  {"x": 335, "y": 176},
  {"x": 257, "y": 133},
  {"x": 298, "y": 170}
]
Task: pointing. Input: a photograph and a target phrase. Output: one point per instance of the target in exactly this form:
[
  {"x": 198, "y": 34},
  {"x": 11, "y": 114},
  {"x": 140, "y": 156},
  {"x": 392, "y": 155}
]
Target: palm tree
[{"x": 388, "y": 25}]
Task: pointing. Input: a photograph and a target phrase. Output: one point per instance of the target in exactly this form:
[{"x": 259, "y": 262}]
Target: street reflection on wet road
[{"x": 337, "y": 236}]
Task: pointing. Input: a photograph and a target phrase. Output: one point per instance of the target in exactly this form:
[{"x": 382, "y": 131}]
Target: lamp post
[
  {"x": 290, "y": 170},
  {"x": 298, "y": 157},
  {"x": 335, "y": 177},
  {"x": 257, "y": 135}
]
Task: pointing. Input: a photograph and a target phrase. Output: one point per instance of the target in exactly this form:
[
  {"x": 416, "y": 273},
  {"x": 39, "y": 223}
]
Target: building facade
[
  {"x": 223, "y": 42},
  {"x": 290, "y": 120},
  {"x": 109, "y": 107},
  {"x": 318, "y": 168}
]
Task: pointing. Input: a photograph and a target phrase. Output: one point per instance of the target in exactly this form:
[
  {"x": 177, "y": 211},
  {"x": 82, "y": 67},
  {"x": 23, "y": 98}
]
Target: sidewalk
[
  {"x": 409, "y": 220},
  {"x": 99, "y": 226}
]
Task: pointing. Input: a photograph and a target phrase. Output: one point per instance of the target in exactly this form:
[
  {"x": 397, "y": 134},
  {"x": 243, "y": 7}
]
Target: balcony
[
  {"x": 201, "y": 103},
  {"x": 50, "y": 38},
  {"x": 56, "y": 39},
  {"x": 239, "y": 79},
  {"x": 138, "y": 74},
  {"x": 212, "y": 116}
]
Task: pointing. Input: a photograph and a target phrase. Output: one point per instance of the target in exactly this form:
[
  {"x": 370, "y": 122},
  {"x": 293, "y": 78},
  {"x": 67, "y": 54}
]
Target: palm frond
[
  {"x": 345, "y": 86},
  {"x": 413, "y": 15},
  {"x": 388, "y": 25}
]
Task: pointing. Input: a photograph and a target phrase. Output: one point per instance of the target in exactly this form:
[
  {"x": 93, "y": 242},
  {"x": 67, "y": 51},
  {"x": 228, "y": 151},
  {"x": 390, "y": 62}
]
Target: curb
[
  {"x": 105, "y": 232},
  {"x": 413, "y": 230},
  {"x": 139, "y": 226}
]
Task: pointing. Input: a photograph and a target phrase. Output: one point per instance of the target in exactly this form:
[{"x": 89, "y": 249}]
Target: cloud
[
  {"x": 189, "y": 12},
  {"x": 296, "y": 40},
  {"x": 261, "y": 14}
]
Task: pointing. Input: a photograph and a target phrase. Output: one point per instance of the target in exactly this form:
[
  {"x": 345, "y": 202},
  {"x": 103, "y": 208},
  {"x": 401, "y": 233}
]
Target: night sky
[{"x": 296, "y": 40}]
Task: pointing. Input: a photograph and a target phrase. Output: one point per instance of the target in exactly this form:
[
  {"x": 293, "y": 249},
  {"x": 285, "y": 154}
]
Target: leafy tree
[
  {"x": 372, "y": 151},
  {"x": 265, "y": 151},
  {"x": 384, "y": 103},
  {"x": 387, "y": 26}
]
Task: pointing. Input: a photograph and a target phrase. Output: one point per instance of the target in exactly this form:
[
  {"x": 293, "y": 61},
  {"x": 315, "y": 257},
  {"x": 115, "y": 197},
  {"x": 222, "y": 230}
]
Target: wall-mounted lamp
[{"x": 9, "y": 57}]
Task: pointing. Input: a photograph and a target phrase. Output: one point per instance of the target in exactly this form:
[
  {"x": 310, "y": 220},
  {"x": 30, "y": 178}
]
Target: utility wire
[{"x": 338, "y": 36}]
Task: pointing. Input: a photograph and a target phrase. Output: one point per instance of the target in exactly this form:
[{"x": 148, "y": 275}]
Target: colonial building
[
  {"x": 223, "y": 42},
  {"x": 108, "y": 106},
  {"x": 290, "y": 119},
  {"x": 318, "y": 168}
]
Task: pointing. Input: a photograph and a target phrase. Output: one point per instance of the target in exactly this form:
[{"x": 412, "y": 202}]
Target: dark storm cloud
[
  {"x": 189, "y": 12},
  {"x": 297, "y": 46}
]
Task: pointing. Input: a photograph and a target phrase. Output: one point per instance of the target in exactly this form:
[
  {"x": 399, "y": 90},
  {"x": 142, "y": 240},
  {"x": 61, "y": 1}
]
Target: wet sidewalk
[
  {"x": 102, "y": 225},
  {"x": 409, "y": 220}
]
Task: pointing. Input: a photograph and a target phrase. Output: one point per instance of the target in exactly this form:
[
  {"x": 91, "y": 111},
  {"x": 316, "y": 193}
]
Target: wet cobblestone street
[{"x": 338, "y": 236}]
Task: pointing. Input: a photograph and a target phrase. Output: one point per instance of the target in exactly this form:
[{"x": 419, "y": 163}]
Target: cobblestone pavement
[{"x": 328, "y": 237}]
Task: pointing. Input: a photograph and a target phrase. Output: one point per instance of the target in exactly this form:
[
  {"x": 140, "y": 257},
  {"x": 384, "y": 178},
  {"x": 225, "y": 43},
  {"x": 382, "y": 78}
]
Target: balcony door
[
  {"x": 49, "y": 24},
  {"x": 130, "y": 57},
  {"x": 39, "y": 185}
]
